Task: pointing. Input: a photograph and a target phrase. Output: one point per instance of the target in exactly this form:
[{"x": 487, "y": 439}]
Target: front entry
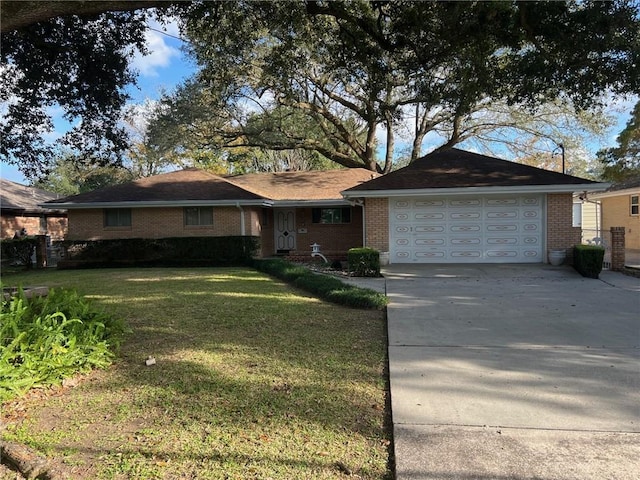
[{"x": 285, "y": 230}]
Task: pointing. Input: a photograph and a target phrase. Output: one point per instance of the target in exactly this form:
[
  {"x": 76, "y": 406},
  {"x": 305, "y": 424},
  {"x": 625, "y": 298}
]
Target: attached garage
[
  {"x": 469, "y": 229},
  {"x": 454, "y": 206}
]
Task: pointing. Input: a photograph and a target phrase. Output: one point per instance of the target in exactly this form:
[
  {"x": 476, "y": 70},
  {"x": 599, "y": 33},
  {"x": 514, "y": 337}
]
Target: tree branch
[{"x": 19, "y": 14}]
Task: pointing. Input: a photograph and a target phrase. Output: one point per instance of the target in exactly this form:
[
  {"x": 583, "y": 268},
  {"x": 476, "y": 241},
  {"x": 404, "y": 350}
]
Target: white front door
[
  {"x": 466, "y": 229},
  {"x": 285, "y": 230}
]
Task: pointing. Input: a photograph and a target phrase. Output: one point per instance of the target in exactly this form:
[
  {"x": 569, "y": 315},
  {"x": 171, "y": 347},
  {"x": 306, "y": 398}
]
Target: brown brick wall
[
  {"x": 377, "y": 223},
  {"x": 267, "y": 245},
  {"x": 56, "y": 226},
  {"x": 156, "y": 223},
  {"x": 616, "y": 212},
  {"x": 560, "y": 232},
  {"x": 335, "y": 240}
]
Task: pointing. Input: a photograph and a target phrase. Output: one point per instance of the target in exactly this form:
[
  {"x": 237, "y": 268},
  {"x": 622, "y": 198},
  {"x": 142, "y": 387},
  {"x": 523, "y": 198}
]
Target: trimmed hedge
[
  {"x": 364, "y": 262},
  {"x": 326, "y": 287},
  {"x": 19, "y": 250},
  {"x": 174, "y": 251},
  {"x": 587, "y": 260}
]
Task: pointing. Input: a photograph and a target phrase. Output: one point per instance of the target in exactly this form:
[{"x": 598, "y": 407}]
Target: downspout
[
  {"x": 364, "y": 225},
  {"x": 242, "y": 226}
]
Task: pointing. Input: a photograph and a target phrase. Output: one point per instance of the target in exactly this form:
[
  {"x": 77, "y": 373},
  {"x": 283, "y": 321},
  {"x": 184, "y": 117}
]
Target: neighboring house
[
  {"x": 288, "y": 211},
  {"x": 620, "y": 206},
  {"x": 451, "y": 206},
  {"x": 454, "y": 206},
  {"x": 20, "y": 212},
  {"x": 587, "y": 216}
]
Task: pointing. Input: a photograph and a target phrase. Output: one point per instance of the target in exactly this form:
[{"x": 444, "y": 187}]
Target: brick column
[
  {"x": 377, "y": 223},
  {"x": 41, "y": 251},
  {"x": 560, "y": 233},
  {"x": 617, "y": 248}
]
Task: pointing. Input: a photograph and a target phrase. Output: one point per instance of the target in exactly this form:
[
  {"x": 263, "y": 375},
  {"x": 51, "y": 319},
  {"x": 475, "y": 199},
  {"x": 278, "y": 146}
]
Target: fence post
[{"x": 617, "y": 248}]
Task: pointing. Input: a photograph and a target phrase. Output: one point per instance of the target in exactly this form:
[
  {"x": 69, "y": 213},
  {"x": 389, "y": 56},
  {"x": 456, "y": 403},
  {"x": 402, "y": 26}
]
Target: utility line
[{"x": 167, "y": 34}]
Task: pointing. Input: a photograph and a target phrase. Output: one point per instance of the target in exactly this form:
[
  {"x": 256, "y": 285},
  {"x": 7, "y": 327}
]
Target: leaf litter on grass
[{"x": 252, "y": 380}]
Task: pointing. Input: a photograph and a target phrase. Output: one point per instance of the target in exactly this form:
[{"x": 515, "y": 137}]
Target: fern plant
[{"x": 46, "y": 339}]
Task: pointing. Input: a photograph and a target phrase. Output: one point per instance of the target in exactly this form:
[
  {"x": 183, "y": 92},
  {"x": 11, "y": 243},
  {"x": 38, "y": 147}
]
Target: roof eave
[
  {"x": 160, "y": 204},
  {"x": 615, "y": 193},
  {"x": 311, "y": 203},
  {"x": 571, "y": 188}
]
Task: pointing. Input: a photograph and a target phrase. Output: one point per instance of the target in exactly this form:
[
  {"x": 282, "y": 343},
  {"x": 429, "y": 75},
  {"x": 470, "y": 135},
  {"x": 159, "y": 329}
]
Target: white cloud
[{"x": 160, "y": 52}]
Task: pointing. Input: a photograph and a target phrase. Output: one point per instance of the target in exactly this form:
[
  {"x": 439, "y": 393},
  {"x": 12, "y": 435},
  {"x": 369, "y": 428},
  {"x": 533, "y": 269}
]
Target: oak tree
[{"x": 331, "y": 76}]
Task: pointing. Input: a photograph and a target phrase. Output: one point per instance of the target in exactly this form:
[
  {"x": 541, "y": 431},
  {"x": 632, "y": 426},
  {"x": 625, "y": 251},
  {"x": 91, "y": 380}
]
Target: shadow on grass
[{"x": 236, "y": 351}]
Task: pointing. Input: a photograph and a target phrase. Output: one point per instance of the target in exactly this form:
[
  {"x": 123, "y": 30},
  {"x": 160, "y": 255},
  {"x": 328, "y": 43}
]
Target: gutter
[
  {"x": 338, "y": 202},
  {"x": 158, "y": 204},
  {"x": 349, "y": 194}
]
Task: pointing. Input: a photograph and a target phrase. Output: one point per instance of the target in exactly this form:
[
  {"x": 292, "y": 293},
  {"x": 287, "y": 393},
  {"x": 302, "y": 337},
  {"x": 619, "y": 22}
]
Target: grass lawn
[{"x": 253, "y": 380}]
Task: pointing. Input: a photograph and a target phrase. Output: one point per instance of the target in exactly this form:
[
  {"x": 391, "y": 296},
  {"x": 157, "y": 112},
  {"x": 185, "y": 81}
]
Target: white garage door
[{"x": 478, "y": 229}]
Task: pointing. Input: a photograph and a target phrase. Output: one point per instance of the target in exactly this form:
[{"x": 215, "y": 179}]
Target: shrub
[
  {"x": 587, "y": 260},
  {"x": 173, "y": 251},
  {"x": 364, "y": 262},
  {"x": 329, "y": 288},
  {"x": 19, "y": 250},
  {"x": 46, "y": 339}
]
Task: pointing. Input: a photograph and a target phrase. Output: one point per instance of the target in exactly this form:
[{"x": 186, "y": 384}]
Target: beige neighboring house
[
  {"x": 620, "y": 207},
  {"x": 21, "y": 214}
]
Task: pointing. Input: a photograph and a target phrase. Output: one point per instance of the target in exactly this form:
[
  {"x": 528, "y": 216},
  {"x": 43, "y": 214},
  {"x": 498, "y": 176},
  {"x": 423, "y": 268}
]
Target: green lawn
[{"x": 253, "y": 380}]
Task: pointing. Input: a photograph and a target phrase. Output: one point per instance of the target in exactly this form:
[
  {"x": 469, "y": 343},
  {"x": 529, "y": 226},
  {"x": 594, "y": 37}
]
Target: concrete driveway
[{"x": 514, "y": 372}]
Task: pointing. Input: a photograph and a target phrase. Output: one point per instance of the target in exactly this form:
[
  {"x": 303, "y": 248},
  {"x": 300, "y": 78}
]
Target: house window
[
  {"x": 635, "y": 205},
  {"x": 577, "y": 215},
  {"x": 198, "y": 216},
  {"x": 331, "y": 215},
  {"x": 117, "y": 217}
]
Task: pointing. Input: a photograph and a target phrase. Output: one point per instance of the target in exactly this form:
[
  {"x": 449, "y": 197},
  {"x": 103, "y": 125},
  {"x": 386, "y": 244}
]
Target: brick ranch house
[
  {"x": 288, "y": 211},
  {"x": 451, "y": 206}
]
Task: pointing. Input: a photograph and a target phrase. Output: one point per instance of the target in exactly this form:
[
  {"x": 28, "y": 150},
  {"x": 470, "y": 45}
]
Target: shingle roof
[
  {"x": 454, "y": 168},
  {"x": 309, "y": 185},
  {"x": 626, "y": 184},
  {"x": 19, "y": 198},
  {"x": 180, "y": 186}
]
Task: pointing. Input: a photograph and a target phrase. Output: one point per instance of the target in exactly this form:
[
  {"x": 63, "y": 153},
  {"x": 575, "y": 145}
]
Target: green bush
[
  {"x": 19, "y": 250},
  {"x": 46, "y": 339},
  {"x": 174, "y": 251},
  {"x": 587, "y": 260},
  {"x": 364, "y": 262},
  {"x": 321, "y": 285},
  {"x": 329, "y": 288}
]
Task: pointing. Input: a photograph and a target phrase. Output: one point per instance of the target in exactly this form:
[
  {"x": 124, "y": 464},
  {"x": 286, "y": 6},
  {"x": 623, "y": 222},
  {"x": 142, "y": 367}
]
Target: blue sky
[
  {"x": 167, "y": 66},
  {"x": 164, "y": 68}
]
